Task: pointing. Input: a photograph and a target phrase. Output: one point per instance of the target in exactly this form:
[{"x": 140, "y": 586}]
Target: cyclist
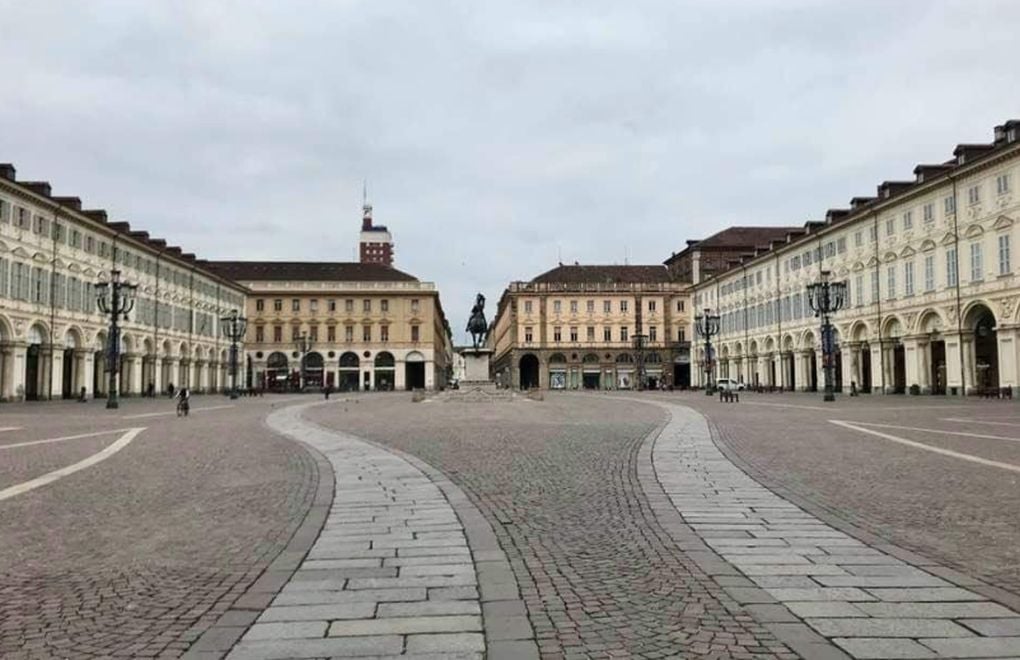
[{"x": 183, "y": 401}]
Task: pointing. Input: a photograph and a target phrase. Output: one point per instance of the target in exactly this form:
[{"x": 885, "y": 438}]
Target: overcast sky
[{"x": 497, "y": 138}]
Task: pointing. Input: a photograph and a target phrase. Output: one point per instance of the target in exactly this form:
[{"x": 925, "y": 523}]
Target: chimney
[
  {"x": 98, "y": 215},
  {"x": 70, "y": 202},
  {"x": 7, "y": 171},
  {"x": 39, "y": 187}
]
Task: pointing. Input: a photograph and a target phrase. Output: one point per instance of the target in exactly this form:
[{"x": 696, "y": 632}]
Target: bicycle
[{"x": 183, "y": 408}]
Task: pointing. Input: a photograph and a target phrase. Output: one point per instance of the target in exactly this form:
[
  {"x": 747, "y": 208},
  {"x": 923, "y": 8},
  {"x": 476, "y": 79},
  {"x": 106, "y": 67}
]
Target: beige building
[
  {"x": 369, "y": 326},
  {"x": 53, "y": 339},
  {"x": 593, "y": 327},
  {"x": 933, "y": 292}
]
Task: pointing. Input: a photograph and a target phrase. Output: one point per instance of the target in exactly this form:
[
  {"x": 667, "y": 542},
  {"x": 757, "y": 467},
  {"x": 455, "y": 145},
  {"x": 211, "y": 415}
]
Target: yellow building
[
  {"x": 53, "y": 339},
  {"x": 368, "y": 326},
  {"x": 593, "y": 327}
]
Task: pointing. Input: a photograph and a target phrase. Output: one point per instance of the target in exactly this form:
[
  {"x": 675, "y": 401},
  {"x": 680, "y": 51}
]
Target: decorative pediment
[
  {"x": 40, "y": 257},
  {"x": 21, "y": 252},
  {"x": 973, "y": 231},
  {"x": 907, "y": 252},
  {"x": 927, "y": 245},
  {"x": 948, "y": 239},
  {"x": 889, "y": 256},
  {"x": 873, "y": 261},
  {"x": 3, "y": 247},
  {"x": 843, "y": 270},
  {"x": 858, "y": 266},
  {"x": 1003, "y": 222}
]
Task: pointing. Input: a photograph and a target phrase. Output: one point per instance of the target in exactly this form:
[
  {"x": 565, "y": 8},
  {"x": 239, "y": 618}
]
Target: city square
[{"x": 644, "y": 524}]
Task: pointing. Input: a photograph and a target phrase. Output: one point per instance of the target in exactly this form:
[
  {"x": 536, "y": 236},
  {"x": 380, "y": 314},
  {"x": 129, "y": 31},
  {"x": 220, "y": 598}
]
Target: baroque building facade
[
  {"x": 593, "y": 327},
  {"x": 366, "y": 326},
  {"x": 53, "y": 339},
  {"x": 933, "y": 292}
]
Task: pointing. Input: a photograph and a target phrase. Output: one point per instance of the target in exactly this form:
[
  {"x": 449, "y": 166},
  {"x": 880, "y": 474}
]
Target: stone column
[
  {"x": 877, "y": 367},
  {"x": 1007, "y": 337},
  {"x": 430, "y": 375},
  {"x": 969, "y": 370},
  {"x": 7, "y": 378},
  {"x": 56, "y": 374},
  {"x": 803, "y": 368},
  {"x": 913, "y": 346},
  {"x": 399, "y": 375}
]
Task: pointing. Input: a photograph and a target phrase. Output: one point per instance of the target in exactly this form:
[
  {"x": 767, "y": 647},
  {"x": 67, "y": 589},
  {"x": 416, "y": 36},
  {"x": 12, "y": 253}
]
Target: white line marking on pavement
[
  {"x": 66, "y": 437},
  {"x": 50, "y": 477},
  {"x": 174, "y": 412},
  {"x": 10, "y": 428},
  {"x": 785, "y": 405},
  {"x": 921, "y": 445},
  {"x": 963, "y": 420},
  {"x": 915, "y": 428}
]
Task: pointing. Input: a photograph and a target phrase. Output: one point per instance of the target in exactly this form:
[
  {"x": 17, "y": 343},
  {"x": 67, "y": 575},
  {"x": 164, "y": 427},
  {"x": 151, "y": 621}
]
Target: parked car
[{"x": 729, "y": 385}]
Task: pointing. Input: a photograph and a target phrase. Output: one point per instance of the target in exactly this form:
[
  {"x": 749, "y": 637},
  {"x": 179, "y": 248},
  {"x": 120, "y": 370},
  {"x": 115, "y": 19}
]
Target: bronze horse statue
[{"x": 477, "y": 325}]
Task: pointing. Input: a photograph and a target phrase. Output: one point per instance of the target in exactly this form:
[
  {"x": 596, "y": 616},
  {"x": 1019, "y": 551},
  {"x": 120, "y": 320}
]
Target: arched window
[
  {"x": 276, "y": 360},
  {"x": 349, "y": 360}
]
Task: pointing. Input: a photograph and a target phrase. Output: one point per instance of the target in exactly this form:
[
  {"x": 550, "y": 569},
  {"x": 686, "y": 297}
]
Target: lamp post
[
  {"x": 115, "y": 298},
  {"x": 827, "y": 298},
  {"x": 233, "y": 326},
  {"x": 639, "y": 351},
  {"x": 707, "y": 326},
  {"x": 303, "y": 345}
]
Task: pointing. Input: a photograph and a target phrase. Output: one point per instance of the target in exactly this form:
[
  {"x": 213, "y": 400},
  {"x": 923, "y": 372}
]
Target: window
[
  {"x": 607, "y": 306},
  {"x": 929, "y": 272},
  {"x": 366, "y": 333},
  {"x": 951, "y": 267},
  {"x": 260, "y": 334},
  {"x": 651, "y": 305},
  {"x": 841, "y": 245},
  {"x": 295, "y": 332},
  {"x": 590, "y": 306},
  {"x": 679, "y": 305},
  {"x": 384, "y": 333},
  {"x": 5, "y": 212},
  {"x": 557, "y": 306},
  {"x": 331, "y": 333},
  {"x": 890, "y": 226},
  {"x": 859, "y": 290},
  {"x": 607, "y": 334},
  {"x": 366, "y": 305},
  {"x": 623, "y": 333},
  {"x": 277, "y": 333},
  {"x": 928, "y": 213},
  {"x": 528, "y": 334},
  {"x": 415, "y": 306},
  {"x": 908, "y": 278},
  {"x": 384, "y": 305},
  {"x": 949, "y": 205},
  {"x": 806, "y": 259},
  {"x": 830, "y": 250},
  {"x": 260, "y": 305},
  {"x": 1004, "y": 265},
  {"x": 874, "y": 286},
  {"x": 295, "y": 305},
  {"x": 591, "y": 333},
  {"x": 653, "y": 333},
  {"x": 313, "y": 305},
  {"x": 1002, "y": 184},
  {"x": 974, "y": 195},
  {"x": 573, "y": 334},
  {"x": 757, "y": 278},
  {"x": 573, "y": 307},
  {"x": 348, "y": 305},
  {"x": 681, "y": 335},
  {"x": 908, "y": 220},
  {"x": 623, "y": 306},
  {"x": 527, "y": 306},
  {"x": 416, "y": 331},
  {"x": 557, "y": 334},
  {"x": 976, "y": 262},
  {"x": 313, "y": 332},
  {"x": 348, "y": 333},
  {"x": 278, "y": 305},
  {"x": 890, "y": 282},
  {"x": 872, "y": 233}
]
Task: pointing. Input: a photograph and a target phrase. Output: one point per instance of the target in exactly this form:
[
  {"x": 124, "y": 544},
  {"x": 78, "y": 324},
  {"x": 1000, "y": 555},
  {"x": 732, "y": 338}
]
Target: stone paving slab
[
  {"x": 870, "y": 602},
  {"x": 392, "y": 573}
]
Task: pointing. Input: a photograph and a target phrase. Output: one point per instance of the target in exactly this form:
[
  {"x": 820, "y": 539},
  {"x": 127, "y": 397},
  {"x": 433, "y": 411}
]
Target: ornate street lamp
[
  {"x": 233, "y": 326},
  {"x": 639, "y": 351},
  {"x": 115, "y": 298},
  {"x": 827, "y": 298},
  {"x": 303, "y": 345},
  {"x": 707, "y": 326}
]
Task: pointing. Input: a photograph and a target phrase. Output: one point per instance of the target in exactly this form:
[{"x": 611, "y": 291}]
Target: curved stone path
[
  {"x": 811, "y": 584},
  {"x": 404, "y": 566}
]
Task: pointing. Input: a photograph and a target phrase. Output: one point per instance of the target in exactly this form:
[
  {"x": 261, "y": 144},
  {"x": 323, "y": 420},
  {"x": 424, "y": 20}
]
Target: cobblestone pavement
[
  {"x": 404, "y": 566},
  {"x": 557, "y": 480},
  {"x": 957, "y": 512},
  {"x": 135, "y": 556},
  {"x": 809, "y": 582}
]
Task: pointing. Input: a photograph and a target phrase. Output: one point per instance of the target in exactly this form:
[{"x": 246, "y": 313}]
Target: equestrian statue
[{"x": 477, "y": 325}]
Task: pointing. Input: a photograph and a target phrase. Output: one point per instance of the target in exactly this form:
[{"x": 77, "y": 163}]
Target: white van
[{"x": 729, "y": 385}]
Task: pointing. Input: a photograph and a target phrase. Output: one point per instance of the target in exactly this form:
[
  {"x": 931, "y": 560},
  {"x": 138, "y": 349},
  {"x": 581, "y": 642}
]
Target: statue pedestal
[{"x": 476, "y": 365}]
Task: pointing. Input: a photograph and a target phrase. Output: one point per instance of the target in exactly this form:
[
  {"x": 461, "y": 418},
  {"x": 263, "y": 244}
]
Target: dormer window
[{"x": 1011, "y": 135}]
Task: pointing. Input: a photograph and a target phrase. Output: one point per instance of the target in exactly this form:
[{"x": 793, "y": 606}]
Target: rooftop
[
  {"x": 578, "y": 274},
  {"x": 337, "y": 271}
]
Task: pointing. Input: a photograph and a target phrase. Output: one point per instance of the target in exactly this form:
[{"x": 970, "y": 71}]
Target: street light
[
  {"x": 303, "y": 345},
  {"x": 707, "y": 326},
  {"x": 827, "y": 298},
  {"x": 233, "y": 326},
  {"x": 115, "y": 298},
  {"x": 639, "y": 350}
]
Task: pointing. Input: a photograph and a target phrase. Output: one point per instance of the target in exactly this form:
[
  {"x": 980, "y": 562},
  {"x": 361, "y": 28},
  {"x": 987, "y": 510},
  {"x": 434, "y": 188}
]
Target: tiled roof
[
  {"x": 309, "y": 271},
  {"x": 747, "y": 237},
  {"x": 578, "y": 274}
]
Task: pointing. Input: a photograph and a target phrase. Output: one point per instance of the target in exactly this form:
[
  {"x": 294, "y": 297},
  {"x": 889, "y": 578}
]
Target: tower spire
[{"x": 366, "y": 208}]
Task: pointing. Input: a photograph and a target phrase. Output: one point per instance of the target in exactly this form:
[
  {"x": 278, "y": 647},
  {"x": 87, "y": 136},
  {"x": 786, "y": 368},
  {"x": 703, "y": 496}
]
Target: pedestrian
[
  {"x": 152, "y": 390},
  {"x": 82, "y": 395},
  {"x": 327, "y": 390},
  {"x": 170, "y": 390}
]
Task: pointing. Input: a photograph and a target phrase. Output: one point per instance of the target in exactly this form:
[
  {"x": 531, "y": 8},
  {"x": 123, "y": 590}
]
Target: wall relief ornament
[
  {"x": 951, "y": 313},
  {"x": 1007, "y": 305}
]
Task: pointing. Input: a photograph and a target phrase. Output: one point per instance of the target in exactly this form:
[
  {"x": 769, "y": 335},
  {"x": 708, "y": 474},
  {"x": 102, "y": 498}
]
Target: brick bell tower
[{"x": 376, "y": 244}]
